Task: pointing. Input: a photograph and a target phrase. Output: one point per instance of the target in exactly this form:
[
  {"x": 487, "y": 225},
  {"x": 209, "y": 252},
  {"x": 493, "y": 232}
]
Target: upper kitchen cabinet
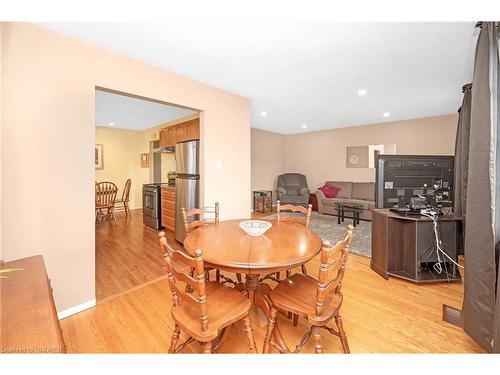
[
  {"x": 185, "y": 131},
  {"x": 180, "y": 133},
  {"x": 167, "y": 136},
  {"x": 163, "y": 137},
  {"x": 193, "y": 129},
  {"x": 170, "y": 135}
]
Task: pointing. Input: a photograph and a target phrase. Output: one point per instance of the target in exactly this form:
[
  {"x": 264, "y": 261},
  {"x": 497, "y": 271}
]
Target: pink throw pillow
[{"x": 330, "y": 191}]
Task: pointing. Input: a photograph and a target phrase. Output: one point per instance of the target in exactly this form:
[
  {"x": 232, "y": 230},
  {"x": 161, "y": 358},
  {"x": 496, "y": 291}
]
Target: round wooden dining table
[{"x": 229, "y": 248}]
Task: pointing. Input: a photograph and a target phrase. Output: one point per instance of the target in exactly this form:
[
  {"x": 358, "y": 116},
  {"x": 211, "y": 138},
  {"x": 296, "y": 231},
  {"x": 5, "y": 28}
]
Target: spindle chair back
[
  {"x": 105, "y": 197},
  {"x": 196, "y": 296},
  {"x": 200, "y": 216},
  {"x": 291, "y": 219},
  {"x": 333, "y": 261}
]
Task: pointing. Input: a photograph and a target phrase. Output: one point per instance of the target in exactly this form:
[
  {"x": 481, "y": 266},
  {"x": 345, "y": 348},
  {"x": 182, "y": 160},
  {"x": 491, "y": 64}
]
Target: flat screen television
[{"x": 400, "y": 177}]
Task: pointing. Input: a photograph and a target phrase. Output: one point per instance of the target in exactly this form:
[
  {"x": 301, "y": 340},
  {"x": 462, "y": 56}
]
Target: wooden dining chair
[
  {"x": 208, "y": 309},
  {"x": 105, "y": 196},
  {"x": 200, "y": 216},
  {"x": 318, "y": 301},
  {"x": 125, "y": 197},
  {"x": 292, "y": 219},
  {"x": 197, "y": 217}
]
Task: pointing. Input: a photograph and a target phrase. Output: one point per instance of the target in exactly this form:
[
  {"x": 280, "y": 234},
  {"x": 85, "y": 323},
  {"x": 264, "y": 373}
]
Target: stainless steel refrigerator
[{"x": 187, "y": 183}]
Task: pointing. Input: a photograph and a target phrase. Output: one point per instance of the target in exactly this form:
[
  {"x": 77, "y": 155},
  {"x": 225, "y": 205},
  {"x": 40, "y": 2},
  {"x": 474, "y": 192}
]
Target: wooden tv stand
[{"x": 400, "y": 246}]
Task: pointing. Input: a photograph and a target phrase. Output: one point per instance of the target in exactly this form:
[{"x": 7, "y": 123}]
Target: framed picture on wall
[
  {"x": 99, "y": 162},
  {"x": 145, "y": 160},
  {"x": 356, "y": 157}
]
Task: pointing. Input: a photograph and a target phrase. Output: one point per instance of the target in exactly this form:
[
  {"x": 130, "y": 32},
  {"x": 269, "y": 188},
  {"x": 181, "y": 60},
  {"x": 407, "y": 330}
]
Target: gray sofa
[
  {"x": 356, "y": 192},
  {"x": 292, "y": 189}
]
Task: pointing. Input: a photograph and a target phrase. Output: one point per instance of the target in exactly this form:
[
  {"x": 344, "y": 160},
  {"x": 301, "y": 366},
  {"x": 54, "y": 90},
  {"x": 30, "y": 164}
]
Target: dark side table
[
  {"x": 263, "y": 201},
  {"x": 313, "y": 201}
]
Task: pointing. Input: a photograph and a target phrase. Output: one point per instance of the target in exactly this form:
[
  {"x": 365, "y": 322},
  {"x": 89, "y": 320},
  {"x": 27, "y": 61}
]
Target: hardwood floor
[
  {"x": 127, "y": 255},
  {"x": 380, "y": 316}
]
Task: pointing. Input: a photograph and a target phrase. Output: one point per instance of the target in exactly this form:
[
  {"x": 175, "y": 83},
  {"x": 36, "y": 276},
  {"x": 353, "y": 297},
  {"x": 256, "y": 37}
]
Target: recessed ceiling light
[
  {"x": 111, "y": 123},
  {"x": 386, "y": 114},
  {"x": 263, "y": 113},
  {"x": 362, "y": 92},
  {"x": 303, "y": 126}
]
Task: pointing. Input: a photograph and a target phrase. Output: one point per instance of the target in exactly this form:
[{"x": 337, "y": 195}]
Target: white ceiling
[
  {"x": 308, "y": 73},
  {"x": 124, "y": 112}
]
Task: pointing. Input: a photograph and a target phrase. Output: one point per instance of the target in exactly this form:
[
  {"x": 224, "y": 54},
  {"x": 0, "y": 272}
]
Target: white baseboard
[{"x": 76, "y": 309}]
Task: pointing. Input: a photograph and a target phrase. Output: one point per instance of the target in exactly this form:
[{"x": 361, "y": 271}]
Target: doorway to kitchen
[{"x": 135, "y": 186}]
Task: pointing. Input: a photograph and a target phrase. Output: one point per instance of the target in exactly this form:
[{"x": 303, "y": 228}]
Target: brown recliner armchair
[{"x": 292, "y": 189}]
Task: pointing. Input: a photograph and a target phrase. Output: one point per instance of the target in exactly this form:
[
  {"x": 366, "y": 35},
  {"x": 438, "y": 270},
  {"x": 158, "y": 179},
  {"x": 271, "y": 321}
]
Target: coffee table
[{"x": 342, "y": 207}]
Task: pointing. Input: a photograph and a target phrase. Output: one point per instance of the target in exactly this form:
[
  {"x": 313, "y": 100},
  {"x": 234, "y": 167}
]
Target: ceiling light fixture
[
  {"x": 304, "y": 126},
  {"x": 111, "y": 123},
  {"x": 263, "y": 113},
  {"x": 362, "y": 92},
  {"x": 386, "y": 114}
]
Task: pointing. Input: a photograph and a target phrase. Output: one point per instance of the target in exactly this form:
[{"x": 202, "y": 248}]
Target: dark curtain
[
  {"x": 462, "y": 153},
  {"x": 495, "y": 75},
  {"x": 481, "y": 310}
]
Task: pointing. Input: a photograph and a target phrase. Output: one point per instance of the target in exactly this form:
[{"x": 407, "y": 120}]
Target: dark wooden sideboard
[
  {"x": 28, "y": 315},
  {"x": 402, "y": 246}
]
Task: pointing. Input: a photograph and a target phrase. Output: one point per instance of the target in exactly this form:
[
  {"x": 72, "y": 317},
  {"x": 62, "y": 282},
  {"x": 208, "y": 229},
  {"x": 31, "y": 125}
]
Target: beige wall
[
  {"x": 121, "y": 155},
  {"x": 321, "y": 155},
  {"x": 48, "y": 137},
  {"x": 268, "y": 159}
]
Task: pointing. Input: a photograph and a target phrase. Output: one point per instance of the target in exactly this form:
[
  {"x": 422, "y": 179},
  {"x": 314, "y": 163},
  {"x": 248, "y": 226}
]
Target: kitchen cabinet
[
  {"x": 163, "y": 137},
  {"x": 192, "y": 129},
  {"x": 185, "y": 131},
  {"x": 180, "y": 133},
  {"x": 170, "y": 136},
  {"x": 168, "y": 207}
]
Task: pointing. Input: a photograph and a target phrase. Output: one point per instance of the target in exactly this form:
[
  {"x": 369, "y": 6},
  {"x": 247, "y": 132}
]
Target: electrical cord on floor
[{"x": 439, "y": 250}]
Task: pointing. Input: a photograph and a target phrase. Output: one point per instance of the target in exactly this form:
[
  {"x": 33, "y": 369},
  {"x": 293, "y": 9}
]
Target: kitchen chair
[
  {"x": 291, "y": 219},
  {"x": 180, "y": 266},
  {"x": 210, "y": 307},
  {"x": 105, "y": 196},
  {"x": 200, "y": 216},
  {"x": 197, "y": 217},
  {"x": 318, "y": 301},
  {"x": 125, "y": 197}
]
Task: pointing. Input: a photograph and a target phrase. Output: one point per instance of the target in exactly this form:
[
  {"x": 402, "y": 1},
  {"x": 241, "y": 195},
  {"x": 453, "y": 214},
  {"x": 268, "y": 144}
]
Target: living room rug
[{"x": 327, "y": 228}]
